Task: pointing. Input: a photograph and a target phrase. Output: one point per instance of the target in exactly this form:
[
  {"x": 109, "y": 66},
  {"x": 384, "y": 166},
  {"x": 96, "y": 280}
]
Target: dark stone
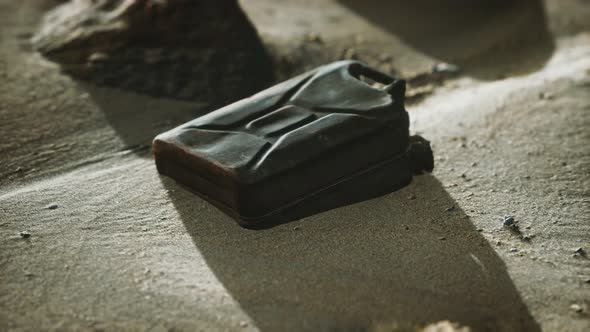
[
  {"x": 320, "y": 140},
  {"x": 151, "y": 47},
  {"x": 52, "y": 206},
  {"x": 509, "y": 221}
]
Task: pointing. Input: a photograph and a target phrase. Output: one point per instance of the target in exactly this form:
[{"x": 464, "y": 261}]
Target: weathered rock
[{"x": 184, "y": 49}]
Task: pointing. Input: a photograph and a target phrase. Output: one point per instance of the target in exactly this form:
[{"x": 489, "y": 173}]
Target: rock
[
  {"x": 114, "y": 42},
  {"x": 577, "y": 308},
  {"x": 450, "y": 209},
  {"x": 25, "y": 234},
  {"x": 580, "y": 252},
  {"x": 509, "y": 221},
  {"x": 52, "y": 206},
  {"x": 445, "y": 68}
]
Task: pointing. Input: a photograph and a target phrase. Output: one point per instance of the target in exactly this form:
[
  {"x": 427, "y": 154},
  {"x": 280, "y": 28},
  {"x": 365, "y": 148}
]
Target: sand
[{"x": 128, "y": 249}]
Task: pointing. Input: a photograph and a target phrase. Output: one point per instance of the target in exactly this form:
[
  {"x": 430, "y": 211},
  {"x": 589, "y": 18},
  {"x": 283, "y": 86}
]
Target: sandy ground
[{"x": 128, "y": 249}]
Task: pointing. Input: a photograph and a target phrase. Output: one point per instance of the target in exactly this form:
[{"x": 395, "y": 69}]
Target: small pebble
[
  {"x": 51, "y": 206},
  {"x": 577, "y": 308},
  {"x": 243, "y": 324},
  {"x": 29, "y": 274},
  {"x": 296, "y": 228},
  {"x": 445, "y": 68},
  {"x": 509, "y": 221},
  {"x": 442, "y": 238},
  {"x": 513, "y": 250},
  {"x": 412, "y": 197},
  {"x": 450, "y": 209},
  {"x": 25, "y": 234},
  {"x": 580, "y": 252}
]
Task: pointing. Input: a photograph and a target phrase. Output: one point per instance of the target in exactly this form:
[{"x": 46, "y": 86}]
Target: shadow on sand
[
  {"x": 390, "y": 263},
  {"x": 484, "y": 37},
  {"x": 136, "y": 118}
]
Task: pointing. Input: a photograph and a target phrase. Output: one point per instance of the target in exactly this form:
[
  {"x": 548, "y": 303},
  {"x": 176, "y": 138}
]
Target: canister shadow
[{"x": 393, "y": 263}]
